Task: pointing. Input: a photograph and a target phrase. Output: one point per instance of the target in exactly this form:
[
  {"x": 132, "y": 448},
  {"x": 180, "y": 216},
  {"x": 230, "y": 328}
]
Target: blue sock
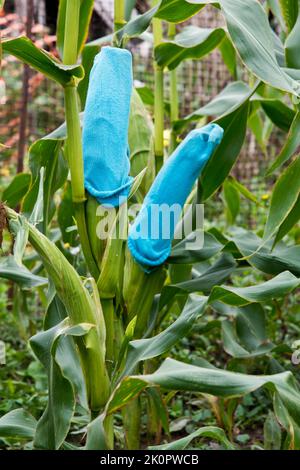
[
  {"x": 105, "y": 127},
  {"x": 150, "y": 243}
]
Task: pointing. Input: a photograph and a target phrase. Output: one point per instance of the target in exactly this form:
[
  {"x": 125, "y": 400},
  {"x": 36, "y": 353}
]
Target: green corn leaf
[
  {"x": 223, "y": 103},
  {"x": 66, "y": 354},
  {"x": 243, "y": 190},
  {"x": 42, "y": 61},
  {"x": 204, "y": 282},
  {"x": 279, "y": 50},
  {"x": 10, "y": 269},
  {"x": 96, "y": 435},
  {"x": 159, "y": 407},
  {"x": 20, "y": 244},
  {"x": 53, "y": 426},
  {"x": 175, "y": 375},
  {"x": 174, "y": 11},
  {"x": 284, "y": 197},
  {"x": 138, "y": 25},
  {"x": 229, "y": 56},
  {"x": 211, "y": 432},
  {"x": 17, "y": 424},
  {"x": 182, "y": 254},
  {"x": 252, "y": 36},
  {"x": 257, "y": 126},
  {"x": 16, "y": 190},
  {"x": 147, "y": 96},
  {"x": 264, "y": 258},
  {"x": 292, "y": 218},
  {"x": 87, "y": 61},
  {"x": 36, "y": 217},
  {"x": 232, "y": 200},
  {"x": 251, "y": 326},
  {"x": 191, "y": 43},
  {"x": 288, "y": 423},
  {"x": 277, "y": 287},
  {"x": 143, "y": 349},
  {"x": 246, "y": 338},
  {"x": 103, "y": 40},
  {"x": 137, "y": 182},
  {"x": 128, "y": 336},
  {"x": 290, "y": 146},
  {"x": 291, "y": 46},
  {"x": 129, "y": 7},
  {"x": 272, "y": 433},
  {"x": 45, "y": 153},
  {"x": 289, "y": 11},
  {"x": 226, "y": 154},
  {"x": 279, "y": 113}
]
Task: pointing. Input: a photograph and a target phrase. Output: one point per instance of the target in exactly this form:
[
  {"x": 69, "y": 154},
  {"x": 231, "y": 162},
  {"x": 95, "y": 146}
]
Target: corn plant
[{"x": 105, "y": 340}]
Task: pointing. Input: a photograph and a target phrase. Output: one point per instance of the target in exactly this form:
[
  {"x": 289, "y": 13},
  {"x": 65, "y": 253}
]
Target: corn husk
[
  {"x": 81, "y": 308},
  {"x": 141, "y": 142},
  {"x": 111, "y": 278},
  {"x": 139, "y": 290}
]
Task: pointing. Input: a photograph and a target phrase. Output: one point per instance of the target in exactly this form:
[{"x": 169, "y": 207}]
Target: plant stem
[
  {"x": 158, "y": 98},
  {"x": 109, "y": 317},
  {"x": 173, "y": 93},
  {"x": 71, "y": 32},
  {"x": 74, "y": 144},
  {"x": 74, "y": 147},
  {"x": 119, "y": 15}
]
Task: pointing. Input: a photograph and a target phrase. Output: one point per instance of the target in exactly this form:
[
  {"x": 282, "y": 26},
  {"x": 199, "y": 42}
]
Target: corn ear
[
  {"x": 141, "y": 142},
  {"x": 110, "y": 280},
  {"x": 139, "y": 290},
  {"x": 81, "y": 308}
]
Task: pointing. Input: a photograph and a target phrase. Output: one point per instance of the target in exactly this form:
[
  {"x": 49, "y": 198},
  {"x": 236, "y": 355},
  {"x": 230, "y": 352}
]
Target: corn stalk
[{"x": 73, "y": 143}]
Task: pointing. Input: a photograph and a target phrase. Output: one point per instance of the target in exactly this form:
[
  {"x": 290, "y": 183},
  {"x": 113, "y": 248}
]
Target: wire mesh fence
[{"x": 45, "y": 107}]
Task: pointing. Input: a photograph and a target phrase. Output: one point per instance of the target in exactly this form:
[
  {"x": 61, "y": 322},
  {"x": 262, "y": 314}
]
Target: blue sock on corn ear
[
  {"x": 151, "y": 235},
  {"x": 105, "y": 127}
]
